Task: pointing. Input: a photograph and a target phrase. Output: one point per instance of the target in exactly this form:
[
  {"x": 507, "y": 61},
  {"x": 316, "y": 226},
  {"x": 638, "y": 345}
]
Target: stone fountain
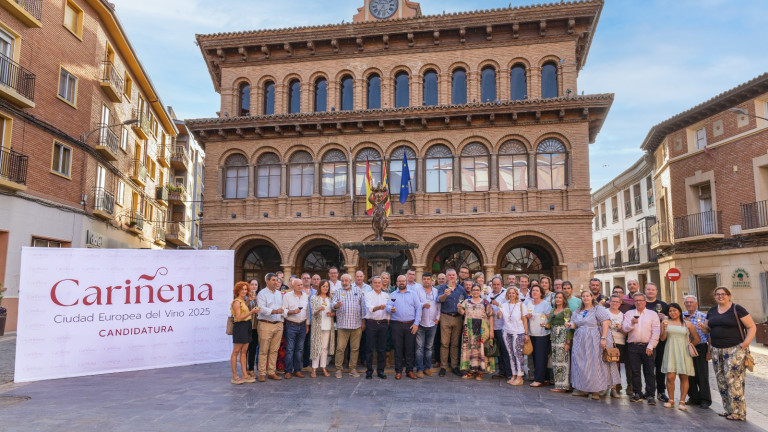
[{"x": 379, "y": 252}]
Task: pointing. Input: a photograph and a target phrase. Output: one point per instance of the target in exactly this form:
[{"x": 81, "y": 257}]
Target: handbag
[
  {"x": 749, "y": 362},
  {"x": 528, "y": 345},
  {"x": 491, "y": 348},
  {"x": 692, "y": 351},
  {"x": 230, "y": 324},
  {"x": 610, "y": 354}
]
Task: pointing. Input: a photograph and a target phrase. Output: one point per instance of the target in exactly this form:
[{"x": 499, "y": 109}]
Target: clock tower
[{"x": 377, "y": 10}]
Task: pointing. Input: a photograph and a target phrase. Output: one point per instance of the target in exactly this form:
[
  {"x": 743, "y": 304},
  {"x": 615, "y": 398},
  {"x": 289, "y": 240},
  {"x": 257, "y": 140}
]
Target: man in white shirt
[
  {"x": 430, "y": 318},
  {"x": 270, "y": 327},
  {"x": 497, "y": 297},
  {"x": 296, "y": 328},
  {"x": 643, "y": 329},
  {"x": 333, "y": 279},
  {"x": 376, "y": 324},
  {"x": 523, "y": 281},
  {"x": 410, "y": 281}
]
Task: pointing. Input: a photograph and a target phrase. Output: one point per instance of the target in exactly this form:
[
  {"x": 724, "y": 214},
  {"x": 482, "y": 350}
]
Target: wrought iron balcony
[
  {"x": 17, "y": 83},
  {"x": 159, "y": 234},
  {"x": 136, "y": 223},
  {"x": 30, "y": 12},
  {"x": 112, "y": 82},
  {"x": 142, "y": 128},
  {"x": 103, "y": 203},
  {"x": 699, "y": 224},
  {"x": 161, "y": 195},
  {"x": 108, "y": 143},
  {"x": 139, "y": 173},
  {"x": 13, "y": 169},
  {"x": 176, "y": 233},
  {"x": 601, "y": 262},
  {"x": 180, "y": 158},
  {"x": 659, "y": 233},
  {"x": 177, "y": 195},
  {"x": 633, "y": 256},
  {"x": 754, "y": 215},
  {"x": 164, "y": 155},
  {"x": 616, "y": 260}
]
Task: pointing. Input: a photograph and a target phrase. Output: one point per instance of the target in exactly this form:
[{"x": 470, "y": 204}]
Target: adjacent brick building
[
  {"x": 485, "y": 105},
  {"x": 87, "y": 145},
  {"x": 711, "y": 181}
]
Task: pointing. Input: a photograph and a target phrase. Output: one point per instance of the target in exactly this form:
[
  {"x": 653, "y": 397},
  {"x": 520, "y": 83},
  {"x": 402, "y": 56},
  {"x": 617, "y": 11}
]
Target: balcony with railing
[
  {"x": 142, "y": 128},
  {"x": 176, "y": 233},
  {"x": 138, "y": 173},
  {"x": 108, "y": 144},
  {"x": 13, "y": 169},
  {"x": 159, "y": 234},
  {"x": 633, "y": 256},
  {"x": 616, "y": 260},
  {"x": 180, "y": 158},
  {"x": 112, "y": 82},
  {"x": 659, "y": 235},
  {"x": 601, "y": 262},
  {"x": 177, "y": 195},
  {"x": 615, "y": 214},
  {"x": 653, "y": 255},
  {"x": 103, "y": 203},
  {"x": 136, "y": 222},
  {"x": 698, "y": 226},
  {"x": 754, "y": 217},
  {"x": 164, "y": 155},
  {"x": 638, "y": 204},
  {"x": 161, "y": 195},
  {"x": 29, "y": 12},
  {"x": 17, "y": 83},
  {"x": 627, "y": 209}
]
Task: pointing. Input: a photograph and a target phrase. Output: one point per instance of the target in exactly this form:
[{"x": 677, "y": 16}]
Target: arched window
[
  {"x": 429, "y": 94},
  {"x": 474, "y": 168},
  {"x": 268, "y": 173},
  {"x": 488, "y": 84},
  {"x": 549, "y": 80},
  {"x": 396, "y": 170},
  {"x": 321, "y": 95},
  {"x": 374, "y": 92},
  {"x": 347, "y": 93},
  {"x": 513, "y": 166},
  {"x": 550, "y": 164},
  {"x": 402, "y": 92},
  {"x": 244, "y": 98},
  {"x": 459, "y": 87},
  {"x": 260, "y": 261},
  {"x": 439, "y": 166},
  {"x": 236, "y": 177},
  {"x": 294, "y": 96},
  {"x": 456, "y": 256},
  {"x": 334, "y": 173},
  {"x": 518, "y": 85},
  {"x": 373, "y": 157},
  {"x": 302, "y": 174},
  {"x": 269, "y": 98}
]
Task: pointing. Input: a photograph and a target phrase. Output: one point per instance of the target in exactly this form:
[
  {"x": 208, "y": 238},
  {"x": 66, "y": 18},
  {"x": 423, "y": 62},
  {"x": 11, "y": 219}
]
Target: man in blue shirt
[
  {"x": 698, "y": 385},
  {"x": 404, "y": 308},
  {"x": 451, "y": 323}
]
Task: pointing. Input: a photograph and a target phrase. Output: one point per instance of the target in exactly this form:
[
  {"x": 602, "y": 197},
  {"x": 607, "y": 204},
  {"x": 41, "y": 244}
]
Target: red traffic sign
[{"x": 673, "y": 274}]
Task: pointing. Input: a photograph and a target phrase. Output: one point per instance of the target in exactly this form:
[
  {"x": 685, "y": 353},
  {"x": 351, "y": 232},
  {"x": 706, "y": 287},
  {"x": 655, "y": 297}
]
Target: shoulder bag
[
  {"x": 528, "y": 345},
  {"x": 610, "y": 354},
  {"x": 691, "y": 347},
  {"x": 230, "y": 322},
  {"x": 749, "y": 362}
]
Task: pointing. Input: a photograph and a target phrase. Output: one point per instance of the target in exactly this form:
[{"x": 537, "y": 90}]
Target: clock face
[{"x": 383, "y": 9}]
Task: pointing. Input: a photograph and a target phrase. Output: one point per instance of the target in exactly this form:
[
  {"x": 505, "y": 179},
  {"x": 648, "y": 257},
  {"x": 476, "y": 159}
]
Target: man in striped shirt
[{"x": 349, "y": 304}]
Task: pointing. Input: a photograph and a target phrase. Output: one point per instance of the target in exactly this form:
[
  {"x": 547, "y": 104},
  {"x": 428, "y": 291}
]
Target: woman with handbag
[
  {"x": 253, "y": 346},
  {"x": 619, "y": 338},
  {"x": 478, "y": 329},
  {"x": 561, "y": 338},
  {"x": 538, "y": 311},
  {"x": 731, "y": 330},
  {"x": 590, "y": 373},
  {"x": 323, "y": 339},
  {"x": 677, "y": 356},
  {"x": 241, "y": 332},
  {"x": 515, "y": 335}
]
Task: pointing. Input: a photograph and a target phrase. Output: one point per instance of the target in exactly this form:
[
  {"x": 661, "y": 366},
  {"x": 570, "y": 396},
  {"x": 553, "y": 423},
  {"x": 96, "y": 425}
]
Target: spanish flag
[
  {"x": 385, "y": 184},
  {"x": 368, "y": 187}
]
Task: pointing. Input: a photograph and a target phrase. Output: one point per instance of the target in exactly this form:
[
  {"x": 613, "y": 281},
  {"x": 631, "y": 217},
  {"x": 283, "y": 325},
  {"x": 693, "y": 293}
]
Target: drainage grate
[{"x": 12, "y": 400}]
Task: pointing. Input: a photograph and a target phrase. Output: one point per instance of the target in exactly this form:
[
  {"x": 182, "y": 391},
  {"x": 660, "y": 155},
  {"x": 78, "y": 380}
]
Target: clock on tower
[{"x": 383, "y": 9}]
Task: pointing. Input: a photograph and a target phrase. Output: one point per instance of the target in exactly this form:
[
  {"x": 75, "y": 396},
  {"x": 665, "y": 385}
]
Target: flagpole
[{"x": 351, "y": 180}]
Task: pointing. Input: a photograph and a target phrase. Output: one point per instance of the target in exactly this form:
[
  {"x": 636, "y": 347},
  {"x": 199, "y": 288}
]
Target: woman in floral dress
[
  {"x": 562, "y": 338},
  {"x": 478, "y": 328}
]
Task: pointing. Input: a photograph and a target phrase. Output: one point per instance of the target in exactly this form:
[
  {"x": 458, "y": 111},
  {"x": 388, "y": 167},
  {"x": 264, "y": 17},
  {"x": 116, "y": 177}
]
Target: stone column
[
  {"x": 532, "y": 181},
  {"x": 287, "y": 271},
  {"x": 503, "y": 90},
  {"x": 489, "y": 272},
  {"x": 316, "y": 180},
  {"x": 421, "y": 175},
  {"x": 283, "y": 179},
  {"x": 494, "y": 172},
  {"x": 456, "y": 173},
  {"x": 252, "y": 183},
  {"x": 420, "y": 272},
  {"x": 351, "y": 269},
  {"x": 534, "y": 82}
]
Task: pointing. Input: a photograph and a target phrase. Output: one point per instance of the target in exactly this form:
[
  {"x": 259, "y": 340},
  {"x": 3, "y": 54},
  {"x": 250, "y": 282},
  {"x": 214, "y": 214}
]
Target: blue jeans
[
  {"x": 425, "y": 340},
  {"x": 294, "y": 346}
]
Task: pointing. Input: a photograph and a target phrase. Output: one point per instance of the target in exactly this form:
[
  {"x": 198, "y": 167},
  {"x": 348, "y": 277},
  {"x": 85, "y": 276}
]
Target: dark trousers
[
  {"x": 698, "y": 386},
  {"x": 436, "y": 347},
  {"x": 504, "y": 367},
  {"x": 363, "y": 347},
  {"x": 295, "y": 334},
  {"x": 307, "y": 340},
  {"x": 639, "y": 359},
  {"x": 623, "y": 349},
  {"x": 661, "y": 378},
  {"x": 376, "y": 340},
  {"x": 253, "y": 349},
  {"x": 405, "y": 346},
  {"x": 540, "y": 354}
]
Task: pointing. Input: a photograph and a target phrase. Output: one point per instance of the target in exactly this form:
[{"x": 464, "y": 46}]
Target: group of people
[{"x": 539, "y": 328}]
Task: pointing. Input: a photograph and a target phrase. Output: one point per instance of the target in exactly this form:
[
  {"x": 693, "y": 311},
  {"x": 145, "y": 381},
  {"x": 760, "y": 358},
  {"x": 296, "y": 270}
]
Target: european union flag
[{"x": 405, "y": 179}]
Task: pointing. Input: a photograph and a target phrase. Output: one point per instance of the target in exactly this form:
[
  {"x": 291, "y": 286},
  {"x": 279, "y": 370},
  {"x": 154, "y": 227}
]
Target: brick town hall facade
[{"x": 484, "y": 104}]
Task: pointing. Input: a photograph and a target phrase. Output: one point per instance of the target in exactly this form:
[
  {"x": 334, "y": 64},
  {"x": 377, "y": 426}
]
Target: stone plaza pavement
[{"x": 200, "y": 398}]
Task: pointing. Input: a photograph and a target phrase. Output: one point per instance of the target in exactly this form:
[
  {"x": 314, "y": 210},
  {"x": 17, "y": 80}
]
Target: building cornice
[
  {"x": 591, "y": 108},
  {"x": 514, "y": 25}
]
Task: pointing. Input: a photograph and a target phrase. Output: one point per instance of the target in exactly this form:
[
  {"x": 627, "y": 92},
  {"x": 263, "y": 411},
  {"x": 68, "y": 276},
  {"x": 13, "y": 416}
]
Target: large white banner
[{"x": 93, "y": 311}]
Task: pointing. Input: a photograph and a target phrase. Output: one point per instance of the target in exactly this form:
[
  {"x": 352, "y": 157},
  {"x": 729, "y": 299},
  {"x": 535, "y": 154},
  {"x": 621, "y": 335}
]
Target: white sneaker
[
  {"x": 338, "y": 374},
  {"x": 354, "y": 373}
]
